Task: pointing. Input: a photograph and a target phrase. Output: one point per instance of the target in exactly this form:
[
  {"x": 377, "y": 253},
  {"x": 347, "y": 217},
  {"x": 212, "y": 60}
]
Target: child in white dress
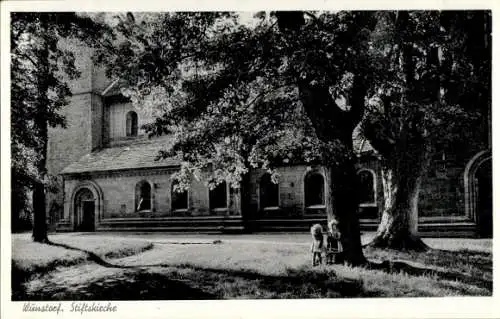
[{"x": 317, "y": 244}]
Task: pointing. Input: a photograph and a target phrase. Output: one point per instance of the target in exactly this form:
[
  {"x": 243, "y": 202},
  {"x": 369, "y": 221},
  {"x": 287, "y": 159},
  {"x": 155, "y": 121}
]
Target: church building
[{"x": 109, "y": 179}]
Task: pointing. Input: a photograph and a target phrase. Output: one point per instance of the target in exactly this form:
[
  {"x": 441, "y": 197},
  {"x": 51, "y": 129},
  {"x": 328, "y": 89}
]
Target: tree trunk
[
  {"x": 39, "y": 214},
  {"x": 344, "y": 202},
  {"x": 245, "y": 202},
  {"x": 39, "y": 201},
  {"x": 41, "y": 127},
  {"x": 17, "y": 205},
  {"x": 406, "y": 152},
  {"x": 401, "y": 180},
  {"x": 332, "y": 124},
  {"x": 342, "y": 183}
]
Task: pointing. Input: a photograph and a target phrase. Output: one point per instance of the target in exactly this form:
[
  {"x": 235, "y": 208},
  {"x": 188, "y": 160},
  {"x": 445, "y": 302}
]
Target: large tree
[
  {"x": 232, "y": 93},
  {"x": 436, "y": 78},
  {"x": 40, "y": 69}
]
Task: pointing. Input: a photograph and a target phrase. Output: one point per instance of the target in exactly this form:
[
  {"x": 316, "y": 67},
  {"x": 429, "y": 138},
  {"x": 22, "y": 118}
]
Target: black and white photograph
[{"x": 172, "y": 155}]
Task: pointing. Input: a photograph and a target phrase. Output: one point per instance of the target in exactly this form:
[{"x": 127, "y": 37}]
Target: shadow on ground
[
  {"x": 466, "y": 266},
  {"x": 403, "y": 267},
  {"x": 137, "y": 285},
  {"x": 171, "y": 283}
]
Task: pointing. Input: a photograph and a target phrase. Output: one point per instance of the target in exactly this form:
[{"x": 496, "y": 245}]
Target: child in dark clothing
[{"x": 333, "y": 244}]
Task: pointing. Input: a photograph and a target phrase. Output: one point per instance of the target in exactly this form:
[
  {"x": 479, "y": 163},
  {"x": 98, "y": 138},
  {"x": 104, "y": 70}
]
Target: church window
[
  {"x": 218, "y": 196},
  {"x": 131, "y": 126},
  {"x": 143, "y": 196},
  {"x": 268, "y": 192},
  {"x": 179, "y": 199},
  {"x": 314, "y": 189},
  {"x": 367, "y": 187}
]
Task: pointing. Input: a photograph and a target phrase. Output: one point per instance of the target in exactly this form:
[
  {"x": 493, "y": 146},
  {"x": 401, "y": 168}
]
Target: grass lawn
[
  {"x": 238, "y": 269},
  {"x": 271, "y": 271},
  {"x": 36, "y": 257}
]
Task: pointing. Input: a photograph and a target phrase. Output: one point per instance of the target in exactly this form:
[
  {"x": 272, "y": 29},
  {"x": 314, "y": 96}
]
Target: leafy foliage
[
  {"x": 432, "y": 83},
  {"x": 227, "y": 91},
  {"x": 40, "y": 69}
]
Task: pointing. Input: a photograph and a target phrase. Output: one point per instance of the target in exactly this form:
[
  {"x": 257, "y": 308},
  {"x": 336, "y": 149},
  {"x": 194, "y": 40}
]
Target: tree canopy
[
  {"x": 40, "y": 71},
  {"x": 191, "y": 67},
  {"x": 433, "y": 79},
  {"x": 228, "y": 91}
]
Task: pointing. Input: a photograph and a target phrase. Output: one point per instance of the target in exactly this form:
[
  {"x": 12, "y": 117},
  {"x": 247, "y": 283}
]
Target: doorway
[
  {"x": 478, "y": 191},
  {"x": 85, "y": 211},
  {"x": 484, "y": 200}
]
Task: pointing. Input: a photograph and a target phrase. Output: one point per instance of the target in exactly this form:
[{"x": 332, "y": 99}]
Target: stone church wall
[
  {"x": 119, "y": 197},
  {"x": 117, "y": 120},
  {"x": 442, "y": 192},
  {"x": 291, "y": 192}
]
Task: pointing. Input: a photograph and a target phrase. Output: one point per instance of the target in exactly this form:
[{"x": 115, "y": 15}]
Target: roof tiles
[{"x": 126, "y": 156}]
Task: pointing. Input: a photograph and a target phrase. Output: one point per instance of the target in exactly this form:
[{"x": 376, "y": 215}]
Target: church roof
[
  {"x": 140, "y": 154},
  {"x": 143, "y": 154}
]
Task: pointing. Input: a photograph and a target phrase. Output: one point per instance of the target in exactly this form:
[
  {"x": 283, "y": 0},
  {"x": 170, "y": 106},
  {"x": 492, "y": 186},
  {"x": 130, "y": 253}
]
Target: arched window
[
  {"x": 179, "y": 199},
  {"x": 367, "y": 188},
  {"x": 131, "y": 123},
  {"x": 314, "y": 189},
  {"x": 218, "y": 196},
  {"x": 268, "y": 192},
  {"x": 143, "y": 196}
]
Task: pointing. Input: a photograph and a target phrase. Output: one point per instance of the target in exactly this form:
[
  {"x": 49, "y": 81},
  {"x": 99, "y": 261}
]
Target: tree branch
[
  {"x": 357, "y": 100},
  {"x": 264, "y": 93},
  {"x": 328, "y": 119}
]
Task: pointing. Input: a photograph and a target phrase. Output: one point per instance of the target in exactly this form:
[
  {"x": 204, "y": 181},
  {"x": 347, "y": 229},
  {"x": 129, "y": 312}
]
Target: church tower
[{"x": 84, "y": 127}]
